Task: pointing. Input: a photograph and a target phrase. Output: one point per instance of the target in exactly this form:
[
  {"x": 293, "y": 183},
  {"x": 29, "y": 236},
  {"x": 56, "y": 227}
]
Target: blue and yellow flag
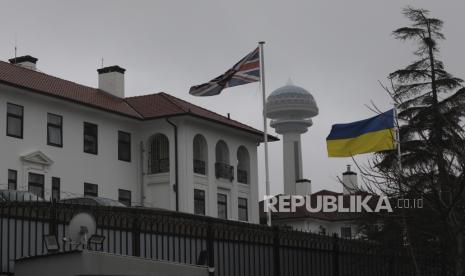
[{"x": 370, "y": 135}]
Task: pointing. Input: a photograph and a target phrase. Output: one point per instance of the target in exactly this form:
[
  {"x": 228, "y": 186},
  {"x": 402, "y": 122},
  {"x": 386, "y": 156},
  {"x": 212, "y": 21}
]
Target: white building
[
  {"x": 343, "y": 224},
  {"x": 63, "y": 139}
]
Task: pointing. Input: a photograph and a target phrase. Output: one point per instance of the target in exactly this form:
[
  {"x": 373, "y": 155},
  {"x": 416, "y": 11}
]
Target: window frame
[
  {"x": 56, "y": 186},
  {"x": 159, "y": 145},
  {"x": 8, "y": 115},
  {"x": 122, "y": 199},
  {"x": 52, "y": 125},
  {"x": 221, "y": 203},
  {"x": 200, "y": 155},
  {"x": 242, "y": 207},
  {"x": 87, "y": 184},
  {"x": 96, "y": 138},
  {"x": 35, "y": 184},
  {"x": 243, "y": 165},
  {"x": 124, "y": 143},
  {"x": 202, "y": 199},
  {"x": 10, "y": 180}
]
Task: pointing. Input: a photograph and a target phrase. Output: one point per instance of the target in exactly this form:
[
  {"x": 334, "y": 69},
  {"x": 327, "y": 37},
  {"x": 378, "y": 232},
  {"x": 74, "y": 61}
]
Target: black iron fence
[{"x": 229, "y": 248}]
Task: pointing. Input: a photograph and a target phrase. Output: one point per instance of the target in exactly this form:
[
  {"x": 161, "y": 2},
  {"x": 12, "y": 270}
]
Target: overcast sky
[{"x": 338, "y": 50}]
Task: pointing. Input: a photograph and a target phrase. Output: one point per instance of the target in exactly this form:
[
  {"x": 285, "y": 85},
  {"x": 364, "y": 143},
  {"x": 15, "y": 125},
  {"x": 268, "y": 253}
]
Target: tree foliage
[{"x": 431, "y": 109}]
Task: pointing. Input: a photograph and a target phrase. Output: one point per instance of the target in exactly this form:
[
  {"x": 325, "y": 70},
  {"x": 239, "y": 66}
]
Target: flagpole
[
  {"x": 265, "y": 125},
  {"x": 401, "y": 190},
  {"x": 399, "y": 152}
]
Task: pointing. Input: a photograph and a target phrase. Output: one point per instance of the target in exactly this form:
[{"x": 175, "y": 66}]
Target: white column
[{"x": 292, "y": 155}]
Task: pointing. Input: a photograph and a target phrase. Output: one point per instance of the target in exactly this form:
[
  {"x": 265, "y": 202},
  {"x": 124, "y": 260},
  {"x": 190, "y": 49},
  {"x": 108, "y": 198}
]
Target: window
[
  {"x": 124, "y": 146},
  {"x": 90, "y": 189},
  {"x": 54, "y": 130},
  {"x": 200, "y": 155},
  {"x": 243, "y": 213},
  {"x": 12, "y": 180},
  {"x": 222, "y": 206},
  {"x": 243, "y": 165},
  {"x": 346, "y": 232},
  {"x": 199, "y": 202},
  {"x": 90, "y": 138},
  {"x": 56, "y": 188},
  {"x": 222, "y": 167},
  {"x": 14, "y": 120},
  {"x": 124, "y": 196},
  {"x": 222, "y": 152},
  {"x": 36, "y": 184},
  {"x": 159, "y": 161}
]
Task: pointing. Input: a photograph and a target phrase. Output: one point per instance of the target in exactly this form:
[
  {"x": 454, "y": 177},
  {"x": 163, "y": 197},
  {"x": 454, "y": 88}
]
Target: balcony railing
[
  {"x": 223, "y": 170},
  {"x": 159, "y": 166},
  {"x": 242, "y": 176},
  {"x": 199, "y": 167}
]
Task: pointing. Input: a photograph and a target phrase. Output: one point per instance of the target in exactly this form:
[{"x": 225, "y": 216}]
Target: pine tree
[{"x": 431, "y": 109}]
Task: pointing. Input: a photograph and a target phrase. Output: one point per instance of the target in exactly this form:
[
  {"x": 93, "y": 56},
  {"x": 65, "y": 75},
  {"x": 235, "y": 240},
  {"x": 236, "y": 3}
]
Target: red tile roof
[
  {"x": 142, "y": 107},
  {"x": 52, "y": 86},
  {"x": 163, "y": 104}
]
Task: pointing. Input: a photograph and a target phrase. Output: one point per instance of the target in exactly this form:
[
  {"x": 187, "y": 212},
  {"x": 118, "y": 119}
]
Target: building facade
[
  {"x": 344, "y": 224},
  {"x": 65, "y": 140}
]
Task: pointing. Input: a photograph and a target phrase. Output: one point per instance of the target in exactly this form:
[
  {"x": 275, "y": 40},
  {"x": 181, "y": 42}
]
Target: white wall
[
  {"x": 213, "y": 133},
  {"x": 75, "y": 167},
  {"x": 71, "y": 164}
]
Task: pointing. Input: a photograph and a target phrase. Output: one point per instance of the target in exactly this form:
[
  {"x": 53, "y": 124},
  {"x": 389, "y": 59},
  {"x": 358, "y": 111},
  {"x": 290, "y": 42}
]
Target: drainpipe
[
  {"x": 175, "y": 128},
  {"x": 142, "y": 188}
]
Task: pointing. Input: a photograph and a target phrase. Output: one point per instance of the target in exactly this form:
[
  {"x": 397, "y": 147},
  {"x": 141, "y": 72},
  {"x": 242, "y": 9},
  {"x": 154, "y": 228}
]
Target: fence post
[
  {"x": 53, "y": 226},
  {"x": 276, "y": 247},
  {"x": 211, "y": 249},
  {"x": 335, "y": 255},
  {"x": 391, "y": 262},
  {"x": 136, "y": 237},
  {"x": 444, "y": 264}
]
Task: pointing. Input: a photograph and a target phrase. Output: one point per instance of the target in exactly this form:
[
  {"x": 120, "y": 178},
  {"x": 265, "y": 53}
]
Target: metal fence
[{"x": 230, "y": 248}]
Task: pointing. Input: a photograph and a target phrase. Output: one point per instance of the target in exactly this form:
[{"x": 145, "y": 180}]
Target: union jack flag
[{"x": 247, "y": 70}]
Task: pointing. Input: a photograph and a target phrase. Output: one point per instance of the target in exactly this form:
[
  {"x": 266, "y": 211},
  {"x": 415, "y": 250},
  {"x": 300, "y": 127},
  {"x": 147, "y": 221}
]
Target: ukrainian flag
[{"x": 370, "y": 135}]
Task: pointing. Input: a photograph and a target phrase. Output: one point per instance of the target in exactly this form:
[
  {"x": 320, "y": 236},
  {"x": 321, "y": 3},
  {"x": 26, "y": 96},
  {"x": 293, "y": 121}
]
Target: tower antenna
[{"x": 101, "y": 63}]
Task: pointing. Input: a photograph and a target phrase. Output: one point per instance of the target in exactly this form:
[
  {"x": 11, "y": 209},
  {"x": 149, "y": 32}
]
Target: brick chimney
[{"x": 111, "y": 80}]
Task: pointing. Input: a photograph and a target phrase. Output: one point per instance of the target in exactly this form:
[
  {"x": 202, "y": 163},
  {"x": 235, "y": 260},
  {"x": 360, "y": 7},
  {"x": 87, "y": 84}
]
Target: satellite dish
[{"x": 81, "y": 227}]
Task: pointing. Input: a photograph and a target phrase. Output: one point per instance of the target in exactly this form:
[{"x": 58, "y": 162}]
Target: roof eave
[
  {"x": 271, "y": 138},
  {"x": 28, "y": 89}
]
